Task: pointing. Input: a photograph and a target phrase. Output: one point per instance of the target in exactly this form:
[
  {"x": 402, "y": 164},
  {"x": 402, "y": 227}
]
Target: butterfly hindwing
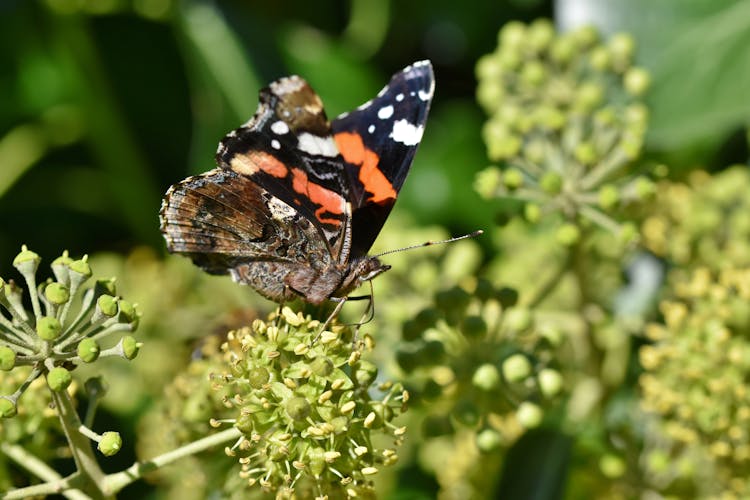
[{"x": 221, "y": 219}]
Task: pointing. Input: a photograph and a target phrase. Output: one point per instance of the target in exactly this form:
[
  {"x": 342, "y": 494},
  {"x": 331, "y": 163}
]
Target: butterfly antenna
[{"x": 429, "y": 243}]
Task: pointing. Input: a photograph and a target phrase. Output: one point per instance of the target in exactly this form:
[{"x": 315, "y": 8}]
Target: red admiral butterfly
[{"x": 297, "y": 201}]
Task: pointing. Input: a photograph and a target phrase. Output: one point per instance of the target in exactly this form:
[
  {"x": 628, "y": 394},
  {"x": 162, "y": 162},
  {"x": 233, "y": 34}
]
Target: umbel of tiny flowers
[
  {"x": 565, "y": 118},
  {"x": 65, "y": 326},
  {"x": 481, "y": 356},
  {"x": 694, "y": 385},
  {"x": 308, "y": 409}
]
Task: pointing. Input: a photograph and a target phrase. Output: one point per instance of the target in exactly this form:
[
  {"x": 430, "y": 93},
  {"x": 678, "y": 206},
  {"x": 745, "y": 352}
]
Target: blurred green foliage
[{"x": 544, "y": 377}]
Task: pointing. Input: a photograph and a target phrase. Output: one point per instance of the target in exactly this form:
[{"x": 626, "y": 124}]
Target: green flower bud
[
  {"x": 550, "y": 382},
  {"x": 516, "y": 368},
  {"x": 628, "y": 233},
  {"x": 129, "y": 347},
  {"x": 609, "y": 196},
  {"x": 427, "y": 318},
  {"x": 644, "y": 187},
  {"x": 501, "y": 142},
  {"x": 600, "y": 59},
  {"x": 106, "y": 305},
  {"x": 57, "y": 293},
  {"x": 298, "y": 408},
  {"x": 490, "y": 93},
  {"x": 26, "y": 261},
  {"x": 487, "y": 181},
  {"x": 513, "y": 178},
  {"x": 411, "y": 330},
  {"x": 80, "y": 270},
  {"x": 488, "y": 440},
  {"x": 622, "y": 48},
  {"x": 105, "y": 286},
  {"x": 568, "y": 234},
  {"x": 550, "y": 118},
  {"x": 484, "y": 290},
  {"x": 563, "y": 49},
  {"x": 365, "y": 373},
  {"x": 512, "y": 35},
  {"x": 636, "y": 81},
  {"x": 322, "y": 366},
  {"x": 541, "y": 33},
  {"x": 588, "y": 96},
  {"x": 532, "y": 212},
  {"x": 551, "y": 183},
  {"x": 58, "y": 379},
  {"x": 519, "y": 319},
  {"x": 258, "y": 376},
  {"x": 533, "y": 74},
  {"x": 128, "y": 313},
  {"x": 88, "y": 350},
  {"x": 431, "y": 352},
  {"x": 7, "y": 358},
  {"x": 60, "y": 268},
  {"x": 110, "y": 443},
  {"x": 529, "y": 415},
  {"x": 474, "y": 327},
  {"x": 487, "y": 68},
  {"x": 612, "y": 466},
  {"x": 48, "y": 328},
  {"x": 407, "y": 360},
  {"x": 454, "y": 299},
  {"x": 508, "y": 297},
  {"x": 486, "y": 377},
  {"x": 585, "y": 153},
  {"x": 8, "y": 408},
  {"x": 466, "y": 413},
  {"x": 432, "y": 390},
  {"x": 585, "y": 36},
  {"x": 552, "y": 335}
]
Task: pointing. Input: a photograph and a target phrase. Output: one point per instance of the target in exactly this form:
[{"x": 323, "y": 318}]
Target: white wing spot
[
  {"x": 399, "y": 97},
  {"x": 280, "y": 210},
  {"x": 425, "y": 95},
  {"x": 316, "y": 145},
  {"x": 275, "y": 144},
  {"x": 385, "y": 112},
  {"x": 279, "y": 128},
  {"x": 406, "y": 133},
  {"x": 371, "y": 128}
]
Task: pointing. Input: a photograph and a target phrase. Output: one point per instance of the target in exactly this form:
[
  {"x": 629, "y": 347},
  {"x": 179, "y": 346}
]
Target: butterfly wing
[
  {"x": 288, "y": 149},
  {"x": 378, "y": 141}
]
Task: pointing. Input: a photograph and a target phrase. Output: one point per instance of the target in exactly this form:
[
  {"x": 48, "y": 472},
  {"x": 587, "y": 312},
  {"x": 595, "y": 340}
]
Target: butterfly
[{"x": 296, "y": 200}]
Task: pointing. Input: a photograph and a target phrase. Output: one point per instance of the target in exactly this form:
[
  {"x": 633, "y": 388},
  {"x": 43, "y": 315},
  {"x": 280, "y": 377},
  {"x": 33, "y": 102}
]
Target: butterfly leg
[{"x": 340, "y": 303}]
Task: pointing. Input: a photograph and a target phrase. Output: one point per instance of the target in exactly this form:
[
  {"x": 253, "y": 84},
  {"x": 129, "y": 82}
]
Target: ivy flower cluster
[
  {"x": 565, "y": 117},
  {"x": 305, "y": 403},
  {"x": 485, "y": 372},
  {"x": 695, "y": 384},
  {"x": 482, "y": 360},
  {"x": 703, "y": 221},
  {"x": 66, "y": 325}
]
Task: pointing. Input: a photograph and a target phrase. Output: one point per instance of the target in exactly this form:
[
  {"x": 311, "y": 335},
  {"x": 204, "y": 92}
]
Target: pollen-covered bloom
[{"x": 313, "y": 418}]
